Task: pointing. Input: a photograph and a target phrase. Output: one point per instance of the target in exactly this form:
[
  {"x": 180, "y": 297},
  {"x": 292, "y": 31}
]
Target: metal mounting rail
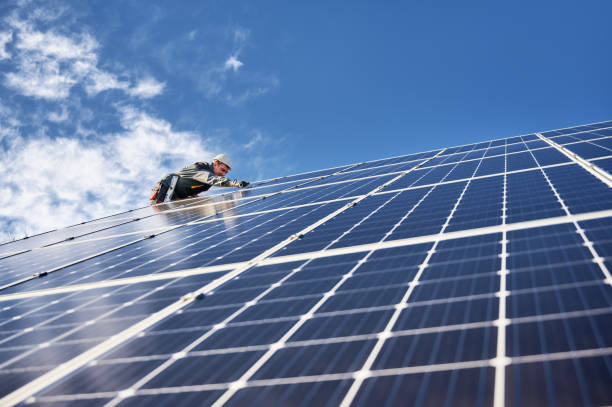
[{"x": 601, "y": 174}]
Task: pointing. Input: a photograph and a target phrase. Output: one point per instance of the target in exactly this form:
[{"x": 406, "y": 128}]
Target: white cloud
[
  {"x": 49, "y": 64},
  {"x": 65, "y": 181},
  {"x": 5, "y": 38},
  {"x": 58, "y": 117},
  {"x": 99, "y": 81},
  {"x": 147, "y": 88},
  {"x": 233, "y": 63},
  {"x": 235, "y": 100},
  {"x": 255, "y": 140}
]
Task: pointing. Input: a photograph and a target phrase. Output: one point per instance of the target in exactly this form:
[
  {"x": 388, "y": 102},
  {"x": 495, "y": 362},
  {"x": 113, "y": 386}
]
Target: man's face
[{"x": 220, "y": 169}]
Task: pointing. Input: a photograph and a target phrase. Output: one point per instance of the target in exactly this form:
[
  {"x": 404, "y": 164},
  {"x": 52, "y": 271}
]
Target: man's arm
[
  {"x": 216, "y": 180},
  {"x": 209, "y": 178}
]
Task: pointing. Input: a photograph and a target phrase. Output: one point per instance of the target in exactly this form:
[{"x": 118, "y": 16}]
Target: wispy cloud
[
  {"x": 228, "y": 79},
  {"x": 233, "y": 63},
  {"x": 48, "y": 64},
  {"x": 5, "y": 38},
  {"x": 58, "y": 117},
  {"x": 147, "y": 88},
  {"x": 255, "y": 140}
]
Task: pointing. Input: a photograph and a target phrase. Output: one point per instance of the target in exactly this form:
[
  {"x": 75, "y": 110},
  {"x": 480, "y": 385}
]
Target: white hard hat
[{"x": 224, "y": 158}]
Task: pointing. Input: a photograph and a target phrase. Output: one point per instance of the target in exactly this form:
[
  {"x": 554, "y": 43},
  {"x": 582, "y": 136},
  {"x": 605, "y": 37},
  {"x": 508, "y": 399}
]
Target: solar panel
[{"x": 473, "y": 275}]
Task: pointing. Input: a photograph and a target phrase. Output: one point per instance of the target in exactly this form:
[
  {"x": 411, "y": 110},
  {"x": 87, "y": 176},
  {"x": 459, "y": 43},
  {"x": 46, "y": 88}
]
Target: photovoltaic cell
[{"x": 474, "y": 275}]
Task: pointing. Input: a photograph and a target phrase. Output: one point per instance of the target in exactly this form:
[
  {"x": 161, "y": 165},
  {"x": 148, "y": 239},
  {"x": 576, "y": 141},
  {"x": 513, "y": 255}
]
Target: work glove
[{"x": 239, "y": 184}]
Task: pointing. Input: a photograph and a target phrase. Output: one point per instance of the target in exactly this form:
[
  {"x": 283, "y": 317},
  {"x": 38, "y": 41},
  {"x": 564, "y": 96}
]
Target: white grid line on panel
[
  {"x": 366, "y": 369},
  {"x": 67, "y": 368},
  {"x": 599, "y": 158},
  {"x": 279, "y": 344},
  {"x": 121, "y": 281},
  {"x": 501, "y": 361},
  {"x": 600, "y": 174}
]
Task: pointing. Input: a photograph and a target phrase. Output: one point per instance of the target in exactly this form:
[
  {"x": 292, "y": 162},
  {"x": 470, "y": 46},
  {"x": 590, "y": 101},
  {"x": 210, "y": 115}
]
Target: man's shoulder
[
  {"x": 199, "y": 166},
  {"x": 202, "y": 165}
]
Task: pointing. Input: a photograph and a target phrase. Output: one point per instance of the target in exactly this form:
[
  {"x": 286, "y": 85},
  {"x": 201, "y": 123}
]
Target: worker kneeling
[{"x": 194, "y": 179}]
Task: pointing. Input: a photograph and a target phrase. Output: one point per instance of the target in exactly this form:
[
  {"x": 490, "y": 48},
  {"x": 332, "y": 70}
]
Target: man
[{"x": 194, "y": 179}]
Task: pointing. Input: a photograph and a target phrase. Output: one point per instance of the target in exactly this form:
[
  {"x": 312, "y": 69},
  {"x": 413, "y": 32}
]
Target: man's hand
[{"x": 239, "y": 184}]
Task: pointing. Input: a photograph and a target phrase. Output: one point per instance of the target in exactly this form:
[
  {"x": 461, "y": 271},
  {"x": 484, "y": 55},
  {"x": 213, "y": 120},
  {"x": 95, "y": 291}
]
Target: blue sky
[{"x": 98, "y": 99}]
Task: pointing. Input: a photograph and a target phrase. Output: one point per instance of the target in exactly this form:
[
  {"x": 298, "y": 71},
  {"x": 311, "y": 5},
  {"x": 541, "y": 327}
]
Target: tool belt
[{"x": 163, "y": 191}]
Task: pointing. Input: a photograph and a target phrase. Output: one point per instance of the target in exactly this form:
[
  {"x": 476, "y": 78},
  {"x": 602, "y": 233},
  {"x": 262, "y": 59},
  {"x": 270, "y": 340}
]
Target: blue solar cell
[
  {"x": 546, "y": 383},
  {"x": 488, "y": 166},
  {"x": 604, "y": 142},
  {"x": 549, "y": 156},
  {"x": 462, "y": 387},
  {"x": 520, "y": 161},
  {"x": 494, "y": 151},
  {"x": 580, "y": 191},
  {"x": 216, "y": 368},
  {"x": 322, "y": 393},
  {"x": 593, "y": 134},
  {"x": 534, "y": 145},
  {"x": 516, "y": 148},
  {"x": 480, "y": 206},
  {"x": 11, "y": 380},
  {"x": 359, "y": 323},
  {"x": 530, "y": 197},
  {"x": 316, "y": 359},
  {"x": 436, "y": 348},
  {"x": 564, "y": 139},
  {"x": 552, "y": 300},
  {"x": 588, "y": 150},
  {"x": 448, "y": 312},
  {"x": 428, "y": 217},
  {"x": 553, "y": 274},
  {"x": 560, "y": 335},
  {"x": 463, "y": 171},
  {"x": 182, "y": 399}
]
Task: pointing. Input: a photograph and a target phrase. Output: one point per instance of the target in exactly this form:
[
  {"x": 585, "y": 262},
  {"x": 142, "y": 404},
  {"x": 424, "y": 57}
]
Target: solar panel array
[{"x": 472, "y": 276}]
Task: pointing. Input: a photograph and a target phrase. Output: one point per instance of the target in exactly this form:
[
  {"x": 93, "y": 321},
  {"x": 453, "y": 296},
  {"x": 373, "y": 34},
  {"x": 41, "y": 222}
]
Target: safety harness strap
[{"x": 170, "y": 192}]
